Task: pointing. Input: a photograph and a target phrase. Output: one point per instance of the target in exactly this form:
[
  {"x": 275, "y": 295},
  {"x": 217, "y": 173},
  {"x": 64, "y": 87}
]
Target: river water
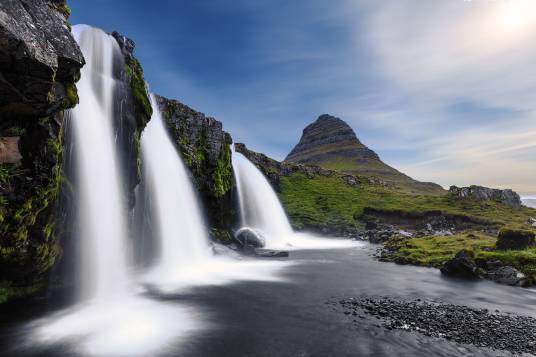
[{"x": 292, "y": 316}]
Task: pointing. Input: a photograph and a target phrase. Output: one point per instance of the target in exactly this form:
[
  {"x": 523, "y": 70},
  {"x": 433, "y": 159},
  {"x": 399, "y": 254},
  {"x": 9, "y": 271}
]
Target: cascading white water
[
  {"x": 260, "y": 209},
  {"x": 259, "y": 206},
  {"x": 177, "y": 225},
  {"x": 180, "y": 228},
  {"x": 102, "y": 228},
  {"x": 111, "y": 319}
]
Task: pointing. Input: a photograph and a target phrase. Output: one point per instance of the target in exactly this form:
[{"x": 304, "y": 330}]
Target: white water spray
[
  {"x": 259, "y": 206},
  {"x": 181, "y": 231},
  {"x": 260, "y": 209},
  {"x": 111, "y": 319},
  {"x": 101, "y": 213},
  {"x": 185, "y": 258}
]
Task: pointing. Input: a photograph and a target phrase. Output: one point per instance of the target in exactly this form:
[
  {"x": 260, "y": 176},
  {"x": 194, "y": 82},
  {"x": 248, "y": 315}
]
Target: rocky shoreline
[{"x": 461, "y": 324}]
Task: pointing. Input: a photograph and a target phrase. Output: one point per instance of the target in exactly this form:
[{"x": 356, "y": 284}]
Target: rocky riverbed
[{"x": 461, "y": 324}]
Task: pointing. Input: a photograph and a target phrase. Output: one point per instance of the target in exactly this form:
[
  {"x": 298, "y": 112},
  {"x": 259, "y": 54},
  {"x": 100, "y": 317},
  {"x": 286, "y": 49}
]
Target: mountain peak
[
  {"x": 329, "y": 142},
  {"x": 325, "y": 134}
]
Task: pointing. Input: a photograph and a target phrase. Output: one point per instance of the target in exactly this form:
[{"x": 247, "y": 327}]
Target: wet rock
[
  {"x": 206, "y": 149},
  {"x": 462, "y": 266},
  {"x": 250, "y": 238},
  {"x": 509, "y": 276},
  {"x": 38, "y": 58},
  {"x": 269, "y": 253}
]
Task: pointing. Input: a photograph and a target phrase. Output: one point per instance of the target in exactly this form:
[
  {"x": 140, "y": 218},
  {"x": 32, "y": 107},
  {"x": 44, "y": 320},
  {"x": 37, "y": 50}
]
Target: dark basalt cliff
[
  {"x": 206, "y": 150},
  {"x": 331, "y": 143},
  {"x": 39, "y": 65}
]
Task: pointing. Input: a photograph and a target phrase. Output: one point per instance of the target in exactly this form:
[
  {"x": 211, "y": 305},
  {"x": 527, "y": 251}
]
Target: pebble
[{"x": 461, "y": 324}]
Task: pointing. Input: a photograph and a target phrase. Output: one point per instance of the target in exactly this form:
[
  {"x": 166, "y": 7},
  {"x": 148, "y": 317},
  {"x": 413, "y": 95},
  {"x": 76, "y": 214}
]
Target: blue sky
[{"x": 444, "y": 90}]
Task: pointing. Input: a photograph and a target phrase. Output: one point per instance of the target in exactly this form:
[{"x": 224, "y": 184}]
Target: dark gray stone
[
  {"x": 250, "y": 237},
  {"x": 462, "y": 266},
  {"x": 480, "y": 193},
  {"x": 38, "y": 57}
]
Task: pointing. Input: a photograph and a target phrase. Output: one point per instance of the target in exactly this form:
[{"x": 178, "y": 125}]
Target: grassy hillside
[
  {"x": 434, "y": 251},
  {"x": 331, "y": 202}
]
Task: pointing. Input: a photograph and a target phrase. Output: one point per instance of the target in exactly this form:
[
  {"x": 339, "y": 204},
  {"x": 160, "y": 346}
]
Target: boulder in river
[
  {"x": 250, "y": 237},
  {"x": 509, "y": 276},
  {"x": 462, "y": 266}
]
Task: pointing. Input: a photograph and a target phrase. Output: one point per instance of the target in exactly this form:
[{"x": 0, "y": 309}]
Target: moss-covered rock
[
  {"x": 514, "y": 239},
  {"x": 36, "y": 89},
  {"x": 206, "y": 150}
]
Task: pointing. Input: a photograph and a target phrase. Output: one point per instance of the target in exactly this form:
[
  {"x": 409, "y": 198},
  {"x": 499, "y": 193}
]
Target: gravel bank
[{"x": 461, "y": 324}]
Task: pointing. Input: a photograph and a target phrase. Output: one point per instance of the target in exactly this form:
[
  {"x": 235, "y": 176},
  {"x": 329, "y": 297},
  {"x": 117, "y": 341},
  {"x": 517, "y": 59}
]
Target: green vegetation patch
[
  {"x": 331, "y": 202},
  {"x": 515, "y": 239},
  {"x": 142, "y": 104},
  {"x": 434, "y": 251}
]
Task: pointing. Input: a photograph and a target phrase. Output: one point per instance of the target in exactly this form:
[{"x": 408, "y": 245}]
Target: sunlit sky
[{"x": 444, "y": 90}]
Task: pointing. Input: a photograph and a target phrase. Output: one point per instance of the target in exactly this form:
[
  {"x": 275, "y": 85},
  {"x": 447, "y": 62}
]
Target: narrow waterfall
[
  {"x": 102, "y": 228},
  {"x": 178, "y": 225},
  {"x": 259, "y": 205}
]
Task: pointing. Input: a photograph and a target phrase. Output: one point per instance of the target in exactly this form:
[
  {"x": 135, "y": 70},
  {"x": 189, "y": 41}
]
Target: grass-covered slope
[
  {"x": 434, "y": 251},
  {"x": 332, "y": 203}
]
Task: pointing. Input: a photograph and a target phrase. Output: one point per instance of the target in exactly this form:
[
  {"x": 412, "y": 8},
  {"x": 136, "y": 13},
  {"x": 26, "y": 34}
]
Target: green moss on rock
[
  {"x": 514, "y": 239},
  {"x": 142, "y": 104}
]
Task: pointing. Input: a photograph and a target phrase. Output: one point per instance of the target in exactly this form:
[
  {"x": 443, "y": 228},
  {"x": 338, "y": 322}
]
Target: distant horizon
[{"x": 442, "y": 105}]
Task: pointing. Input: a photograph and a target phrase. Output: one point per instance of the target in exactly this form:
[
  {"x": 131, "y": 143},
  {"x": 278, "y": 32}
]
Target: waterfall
[
  {"x": 259, "y": 206},
  {"x": 179, "y": 227},
  {"x": 102, "y": 225},
  {"x": 111, "y": 318}
]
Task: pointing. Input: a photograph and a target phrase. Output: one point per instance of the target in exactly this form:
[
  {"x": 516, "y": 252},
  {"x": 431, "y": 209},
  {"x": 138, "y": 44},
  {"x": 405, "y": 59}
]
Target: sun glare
[{"x": 517, "y": 15}]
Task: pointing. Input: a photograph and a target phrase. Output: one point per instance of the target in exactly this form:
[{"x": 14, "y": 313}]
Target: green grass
[
  {"x": 434, "y": 251},
  {"x": 330, "y": 201}
]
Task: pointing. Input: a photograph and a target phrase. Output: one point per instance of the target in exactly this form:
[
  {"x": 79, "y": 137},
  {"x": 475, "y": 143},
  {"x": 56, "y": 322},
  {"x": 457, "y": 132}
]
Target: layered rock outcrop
[
  {"x": 206, "y": 150},
  {"x": 39, "y": 65},
  {"x": 479, "y": 193},
  {"x": 331, "y": 143}
]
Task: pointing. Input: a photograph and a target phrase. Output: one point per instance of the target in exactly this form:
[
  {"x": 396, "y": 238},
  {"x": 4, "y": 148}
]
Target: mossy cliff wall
[
  {"x": 39, "y": 65},
  {"x": 132, "y": 113},
  {"x": 206, "y": 150}
]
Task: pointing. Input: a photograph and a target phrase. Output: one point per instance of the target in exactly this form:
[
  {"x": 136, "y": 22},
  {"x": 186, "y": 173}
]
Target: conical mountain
[{"x": 331, "y": 143}]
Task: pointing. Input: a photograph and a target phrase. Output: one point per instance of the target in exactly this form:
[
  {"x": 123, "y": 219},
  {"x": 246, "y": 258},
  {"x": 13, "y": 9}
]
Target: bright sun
[{"x": 517, "y": 15}]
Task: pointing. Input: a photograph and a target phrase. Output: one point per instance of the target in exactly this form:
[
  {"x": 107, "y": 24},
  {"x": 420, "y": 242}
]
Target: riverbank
[
  {"x": 461, "y": 324},
  {"x": 289, "y": 317}
]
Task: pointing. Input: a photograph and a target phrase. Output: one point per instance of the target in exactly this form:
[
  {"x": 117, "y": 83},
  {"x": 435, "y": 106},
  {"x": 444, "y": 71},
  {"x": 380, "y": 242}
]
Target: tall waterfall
[
  {"x": 259, "y": 206},
  {"x": 178, "y": 224},
  {"x": 102, "y": 228},
  {"x": 112, "y": 319}
]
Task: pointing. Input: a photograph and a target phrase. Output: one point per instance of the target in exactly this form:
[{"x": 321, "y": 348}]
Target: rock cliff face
[
  {"x": 39, "y": 65},
  {"x": 332, "y": 144},
  {"x": 132, "y": 112},
  {"x": 206, "y": 150},
  {"x": 479, "y": 193}
]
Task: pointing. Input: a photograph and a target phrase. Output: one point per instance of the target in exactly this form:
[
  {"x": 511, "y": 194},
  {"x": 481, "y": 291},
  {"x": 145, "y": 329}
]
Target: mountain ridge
[{"x": 331, "y": 143}]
